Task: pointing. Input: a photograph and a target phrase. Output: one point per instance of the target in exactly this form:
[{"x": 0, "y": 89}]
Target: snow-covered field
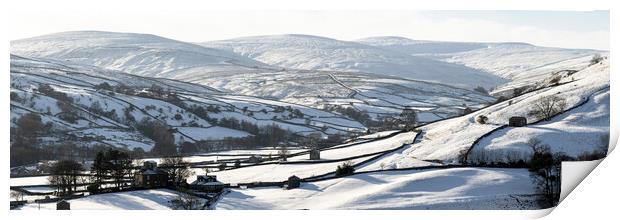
[
  {"x": 574, "y": 133},
  {"x": 457, "y": 188},
  {"x": 276, "y": 172},
  {"x": 445, "y": 140},
  {"x": 21, "y": 181},
  {"x": 376, "y": 94},
  {"x": 363, "y": 148},
  {"x": 156, "y": 199}
]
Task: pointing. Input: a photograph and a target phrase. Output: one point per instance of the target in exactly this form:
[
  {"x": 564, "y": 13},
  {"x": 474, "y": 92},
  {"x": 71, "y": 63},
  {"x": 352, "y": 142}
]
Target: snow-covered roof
[
  {"x": 154, "y": 171},
  {"x": 206, "y": 180}
]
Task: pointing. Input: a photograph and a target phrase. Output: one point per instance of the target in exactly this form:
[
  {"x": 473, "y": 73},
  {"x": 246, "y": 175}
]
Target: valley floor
[
  {"x": 455, "y": 188},
  {"x": 134, "y": 200}
]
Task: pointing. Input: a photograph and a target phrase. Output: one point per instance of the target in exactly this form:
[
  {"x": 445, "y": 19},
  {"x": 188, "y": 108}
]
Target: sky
[{"x": 567, "y": 29}]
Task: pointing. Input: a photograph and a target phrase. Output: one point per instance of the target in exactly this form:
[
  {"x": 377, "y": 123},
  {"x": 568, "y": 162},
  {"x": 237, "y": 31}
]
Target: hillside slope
[
  {"x": 521, "y": 63},
  {"x": 459, "y": 188},
  {"x": 447, "y": 139},
  {"x": 108, "y": 115},
  {"x": 379, "y": 96},
  {"x": 320, "y": 53},
  {"x": 139, "y": 54},
  {"x": 376, "y": 93}
]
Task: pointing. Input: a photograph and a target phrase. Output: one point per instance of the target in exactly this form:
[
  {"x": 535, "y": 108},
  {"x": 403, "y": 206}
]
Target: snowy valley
[{"x": 298, "y": 121}]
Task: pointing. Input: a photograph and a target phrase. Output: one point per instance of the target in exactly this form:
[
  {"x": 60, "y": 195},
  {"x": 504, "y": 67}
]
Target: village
[
  {"x": 201, "y": 193},
  {"x": 149, "y": 175}
]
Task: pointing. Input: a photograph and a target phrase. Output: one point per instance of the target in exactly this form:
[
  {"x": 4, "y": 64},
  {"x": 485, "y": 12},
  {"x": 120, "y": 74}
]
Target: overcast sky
[{"x": 585, "y": 29}]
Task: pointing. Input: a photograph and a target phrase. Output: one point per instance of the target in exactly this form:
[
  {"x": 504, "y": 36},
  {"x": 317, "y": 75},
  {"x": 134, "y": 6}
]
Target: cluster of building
[{"x": 151, "y": 176}]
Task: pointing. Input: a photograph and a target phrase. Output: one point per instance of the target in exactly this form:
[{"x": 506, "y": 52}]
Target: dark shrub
[{"x": 345, "y": 169}]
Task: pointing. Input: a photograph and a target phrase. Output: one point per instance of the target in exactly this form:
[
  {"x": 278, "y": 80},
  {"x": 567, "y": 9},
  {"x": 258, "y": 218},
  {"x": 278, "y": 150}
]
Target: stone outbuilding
[
  {"x": 517, "y": 121},
  {"x": 254, "y": 159},
  {"x": 150, "y": 176},
  {"x": 315, "y": 154},
  {"x": 63, "y": 205}
]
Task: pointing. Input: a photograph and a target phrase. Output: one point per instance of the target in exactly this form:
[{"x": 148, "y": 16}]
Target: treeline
[
  {"x": 407, "y": 119},
  {"x": 352, "y": 113},
  {"x": 112, "y": 166},
  {"x": 111, "y": 171},
  {"x": 25, "y": 140},
  {"x": 27, "y": 148},
  {"x": 544, "y": 165}
]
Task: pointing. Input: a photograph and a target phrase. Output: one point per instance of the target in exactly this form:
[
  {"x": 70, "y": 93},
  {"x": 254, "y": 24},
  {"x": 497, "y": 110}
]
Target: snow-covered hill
[
  {"x": 320, "y": 53},
  {"x": 139, "y": 54},
  {"x": 380, "y": 96},
  {"x": 416, "y": 47},
  {"x": 521, "y": 63},
  {"x": 105, "y": 116},
  {"x": 574, "y": 132}
]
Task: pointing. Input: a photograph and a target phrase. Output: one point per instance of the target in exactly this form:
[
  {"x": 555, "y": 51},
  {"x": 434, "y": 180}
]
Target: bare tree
[
  {"x": 596, "y": 59},
  {"x": 65, "y": 176},
  {"x": 17, "y": 195},
  {"x": 222, "y": 166},
  {"x": 555, "y": 80},
  {"x": 409, "y": 117},
  {"x": 598, "y": 152},
  {"x": 545, "y": 168},
  {"x": 462, "y": 157},
  {"x": 177, "y": 168},
  {"x": 534, "y": 144},
  {"x": 604, "y": 145},
  {"x": 548, "y": 106},
  {"x": 283, "y": 152}
]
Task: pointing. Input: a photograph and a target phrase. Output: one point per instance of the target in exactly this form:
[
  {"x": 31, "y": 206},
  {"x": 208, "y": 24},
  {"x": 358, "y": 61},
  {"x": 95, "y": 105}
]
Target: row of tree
[{"x": 112, "y": 170}]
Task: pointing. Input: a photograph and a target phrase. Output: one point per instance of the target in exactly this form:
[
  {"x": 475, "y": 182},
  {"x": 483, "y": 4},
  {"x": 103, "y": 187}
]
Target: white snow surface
[
  {"x": 155, "y": 199},
  {"x": 457, "y": 188},
  {"x": 363, "y": 148},
  {"x": 275, "y": 172},
  {"x": 320, "y": 53},
  {"x": 140, "y": 54},
  {"x": 572, "y": 133},
  {"x": 110, "y": 125},
  {"x": 212, "y": 133},
  {"x": 445, "y": 140},
  {"x": 523, "y": 64}
]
